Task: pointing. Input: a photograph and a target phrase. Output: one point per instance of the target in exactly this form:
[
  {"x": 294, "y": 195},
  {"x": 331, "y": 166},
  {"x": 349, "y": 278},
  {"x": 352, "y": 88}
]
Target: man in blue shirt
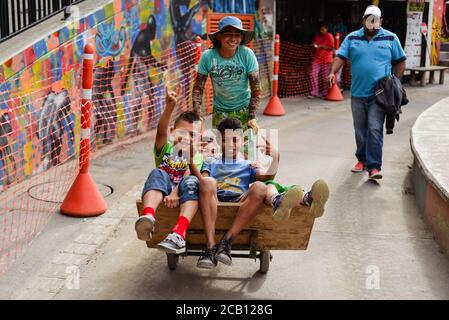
[{"x": 372, "y": 52}]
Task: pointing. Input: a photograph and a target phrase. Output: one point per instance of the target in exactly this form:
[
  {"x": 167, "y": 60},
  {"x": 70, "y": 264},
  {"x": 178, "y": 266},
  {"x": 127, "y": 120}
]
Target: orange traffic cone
[
  {"x": 84, "y": 199},
  {"x": 334, "y": 93},
  {"x": 274, "y": 107}
]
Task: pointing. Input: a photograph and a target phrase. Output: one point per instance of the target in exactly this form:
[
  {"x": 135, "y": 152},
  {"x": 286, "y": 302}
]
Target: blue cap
[{"x": 231, "y": 21}]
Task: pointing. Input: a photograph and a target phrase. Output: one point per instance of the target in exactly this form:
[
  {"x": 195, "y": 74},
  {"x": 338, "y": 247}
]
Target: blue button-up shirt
[{"x": 370, "y": 60}]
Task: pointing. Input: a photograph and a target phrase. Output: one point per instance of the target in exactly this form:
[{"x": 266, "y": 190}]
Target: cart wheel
[
  {"x": 265, "y": 258},
  {"x": 172, "y": 260}
]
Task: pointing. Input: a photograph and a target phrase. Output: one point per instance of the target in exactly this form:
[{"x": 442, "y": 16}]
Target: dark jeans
[
  {"x": 160, "y": 180},
  {"x": 236, "y": 197},
  {"x": 369, "y": 120}
]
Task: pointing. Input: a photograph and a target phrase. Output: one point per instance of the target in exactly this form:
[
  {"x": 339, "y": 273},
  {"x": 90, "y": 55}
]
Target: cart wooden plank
[{"x": 292, "y": 234}]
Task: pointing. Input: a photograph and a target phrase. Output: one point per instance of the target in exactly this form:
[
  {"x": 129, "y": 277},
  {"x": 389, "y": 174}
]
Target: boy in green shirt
[
  {"x": 171, "y": 182},
  {"x": 234, "y": 71}
]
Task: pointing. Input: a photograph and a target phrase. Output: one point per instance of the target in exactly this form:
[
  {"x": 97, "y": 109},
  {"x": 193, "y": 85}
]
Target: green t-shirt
[
  {"x": 175, "y": 166},
  {"x": 229, "y": 77}
]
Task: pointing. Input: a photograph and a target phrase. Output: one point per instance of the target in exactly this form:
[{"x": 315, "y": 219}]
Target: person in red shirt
[{"x": 324, "y": 44}]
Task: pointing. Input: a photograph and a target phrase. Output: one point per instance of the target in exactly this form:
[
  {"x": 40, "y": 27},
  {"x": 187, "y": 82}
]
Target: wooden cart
[{"x": 264, "y": 234}]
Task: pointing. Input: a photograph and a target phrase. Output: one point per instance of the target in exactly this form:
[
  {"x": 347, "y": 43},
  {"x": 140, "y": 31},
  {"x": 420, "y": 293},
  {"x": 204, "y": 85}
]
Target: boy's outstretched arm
[
  {"x": 254, "y": 82},
  {"x": 194, "y": 170},
  {"x": 256, "y": 91},
  {"x": 164, "y": 121},
  {"x": 198, "y": 89},
  {"x": 270, "y": 173}
]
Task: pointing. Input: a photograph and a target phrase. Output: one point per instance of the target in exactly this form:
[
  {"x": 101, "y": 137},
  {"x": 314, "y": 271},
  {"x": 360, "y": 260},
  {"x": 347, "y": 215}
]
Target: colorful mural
[
  {"x": 108, "y": 41},
  {"x": 439, "y": 7},
  {"x": 7, "y": 160},
  {"x": 55, "y": 122},
  {"x": 182, "y": 15},
  {"x": 135, "y": 43}
]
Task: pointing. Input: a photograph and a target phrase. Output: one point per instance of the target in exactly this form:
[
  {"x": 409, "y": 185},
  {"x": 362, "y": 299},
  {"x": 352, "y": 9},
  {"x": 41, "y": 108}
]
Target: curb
[{"x": 429, "y": 140}]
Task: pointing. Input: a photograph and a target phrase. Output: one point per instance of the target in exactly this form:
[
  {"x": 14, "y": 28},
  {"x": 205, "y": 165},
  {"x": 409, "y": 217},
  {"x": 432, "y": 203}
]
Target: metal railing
[{"x": 17, "y": 16}]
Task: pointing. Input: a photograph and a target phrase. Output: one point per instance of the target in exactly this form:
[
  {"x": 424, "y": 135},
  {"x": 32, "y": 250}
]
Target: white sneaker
[
  {"x": 317, "y": 197},
  {"x": 173, "y": 243},
  {"x": 285, "y": 202},
  {"x": 144, "y": 227}
]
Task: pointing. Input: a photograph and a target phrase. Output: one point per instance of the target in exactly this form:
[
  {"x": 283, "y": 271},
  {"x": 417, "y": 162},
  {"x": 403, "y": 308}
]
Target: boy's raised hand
[
  {"x": 171, "y": 98},
  {"x": 253, "y": 125},
  {"x": 268, "y": 149},
  {"x": 256, "y": 165}
]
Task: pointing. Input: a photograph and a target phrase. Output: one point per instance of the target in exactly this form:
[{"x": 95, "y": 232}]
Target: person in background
[
  {"x": 342, "y": 30},
  {"x": 324, "y": 44},
  {"x": 373, "y": 53},
  {"x": 340, "y": 27}
]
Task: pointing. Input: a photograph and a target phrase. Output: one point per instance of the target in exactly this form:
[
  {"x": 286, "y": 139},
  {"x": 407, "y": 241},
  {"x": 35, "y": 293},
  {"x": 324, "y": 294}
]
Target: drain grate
[{"x": 46, "y": 191}]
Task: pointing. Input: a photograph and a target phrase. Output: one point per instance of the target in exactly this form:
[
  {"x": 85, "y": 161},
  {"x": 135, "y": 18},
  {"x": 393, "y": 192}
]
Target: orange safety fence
[
  {"x": 40, "y": 128},
  {"x": 40, "y": 131},
  {"x": 36, "y": 146},
  {"x": 295, "y": 71}
]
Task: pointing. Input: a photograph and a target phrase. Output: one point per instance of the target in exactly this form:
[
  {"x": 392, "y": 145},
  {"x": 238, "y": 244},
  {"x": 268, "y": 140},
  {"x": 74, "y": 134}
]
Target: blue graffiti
[
  {"x": 8, "y": 162},
  {"x": 55, "y": 61},
  {"x": 132, "y": 19},
  {"x": 127, "y": 108},
  {"x": 69, "y": 128},
  {"x": 79, "y": 48},
  {"x": 108, "y": 41},
  {"x": 161, "y": 21},
  {"x": 5, "y": 89},
  {"x": 55, "y": 120}
]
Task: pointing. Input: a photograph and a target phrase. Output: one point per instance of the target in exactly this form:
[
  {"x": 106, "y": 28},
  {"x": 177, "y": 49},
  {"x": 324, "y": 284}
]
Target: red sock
[
  {"x": 181, "y": 226},
  {"x": 148, "y": 211}
]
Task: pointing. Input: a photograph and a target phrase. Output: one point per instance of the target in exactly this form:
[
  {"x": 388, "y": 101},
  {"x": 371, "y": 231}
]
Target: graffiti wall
[
  {"x": 136, "y": 42},
  {"x": 439, "y": 8}
]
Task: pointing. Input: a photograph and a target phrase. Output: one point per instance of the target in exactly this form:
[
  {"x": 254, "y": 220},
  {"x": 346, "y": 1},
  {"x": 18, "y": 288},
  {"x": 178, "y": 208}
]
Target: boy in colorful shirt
[
  {"x": 231, "y": 178},
  {"x": 170, "y": 182}
]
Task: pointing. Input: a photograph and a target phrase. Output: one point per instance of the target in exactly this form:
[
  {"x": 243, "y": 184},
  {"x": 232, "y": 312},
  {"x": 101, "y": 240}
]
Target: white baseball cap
[{"x": 372, "y": 10}]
